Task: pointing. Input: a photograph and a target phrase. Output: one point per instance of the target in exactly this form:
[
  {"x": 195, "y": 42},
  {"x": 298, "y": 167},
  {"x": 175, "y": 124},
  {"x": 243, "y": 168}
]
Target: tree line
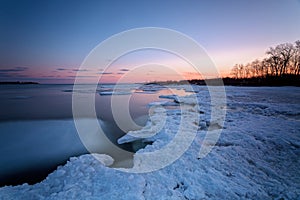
[{"x": 282, "y": 60}]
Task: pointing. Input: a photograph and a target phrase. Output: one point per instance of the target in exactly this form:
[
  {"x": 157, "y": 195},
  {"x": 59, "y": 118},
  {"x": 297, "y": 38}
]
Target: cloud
[
  {"x": 80, "y": 76},
  {"x": 124, "y": 70},
  {"x": 13, "y": 72},
  {"x": 80, "y": 70},
  {"x": 74, "y": 70},
  {"x": 120, "y": 73},
  {"x": 104, "y": 73},
  {"x": 7, "y": 75},
  {"x": 14, "y": 69},
  {"x": 61, "y": 69}
]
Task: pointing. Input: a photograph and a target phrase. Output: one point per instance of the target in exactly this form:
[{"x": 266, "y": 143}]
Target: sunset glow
[{"x": 45, "y": 44}]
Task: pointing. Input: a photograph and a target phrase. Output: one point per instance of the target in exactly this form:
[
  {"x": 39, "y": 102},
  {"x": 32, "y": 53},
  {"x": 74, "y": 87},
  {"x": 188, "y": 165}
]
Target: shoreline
[
  {"x": 51, "y": 143},
  {"x": 261, "y": 128}
]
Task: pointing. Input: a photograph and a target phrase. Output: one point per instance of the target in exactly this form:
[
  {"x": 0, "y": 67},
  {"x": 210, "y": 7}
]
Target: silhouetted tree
[
  {"x": 296, "y": 58},
  {"x": 247, "y": 70},
  {"x": 281, "y": 60}
]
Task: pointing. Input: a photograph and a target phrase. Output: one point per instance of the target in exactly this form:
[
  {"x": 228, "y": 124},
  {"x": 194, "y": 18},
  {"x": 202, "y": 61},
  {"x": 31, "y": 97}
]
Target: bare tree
[
  {"x": 296, "y": 58},
  {"x": 281, "y": 56},
  {"x": 235, "y": 71},
  {"x": 274, "y": 60},
  {"x": 255, "y": 68},
  {"x": 241, "y": 71},
  {"x": 286, "y": 51},
  {"x": 266, "y": 67},
  {"x": 247, "y": 70},
  {"x": 282, "y": 60}
]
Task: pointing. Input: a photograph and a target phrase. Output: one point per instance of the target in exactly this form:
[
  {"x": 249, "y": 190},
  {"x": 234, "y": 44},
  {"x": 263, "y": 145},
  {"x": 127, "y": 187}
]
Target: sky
[{"x": 47, "y": 41}]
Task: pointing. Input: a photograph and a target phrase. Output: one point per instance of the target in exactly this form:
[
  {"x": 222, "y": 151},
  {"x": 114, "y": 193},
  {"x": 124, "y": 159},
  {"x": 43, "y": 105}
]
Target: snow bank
[{"x": 81, "y": 178}]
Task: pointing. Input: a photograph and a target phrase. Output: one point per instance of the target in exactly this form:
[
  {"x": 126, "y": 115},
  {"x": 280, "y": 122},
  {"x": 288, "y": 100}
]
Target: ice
[
  {"x": 144, "y": 92},
  {"x": 163, "y": 103},
  {"x": 188, "y": 88},
  {"x": 173, "y": 97},
  {"x": 151, "y": 88},
  {"x": 81, "y": 178},
  {"x": 114, "y": 93},
  {"x": 43, "y": 144},
  {"x": 120, "y": 89},
  {"x": 155, "y": 125},
  {"x": 256, "y": 156}
]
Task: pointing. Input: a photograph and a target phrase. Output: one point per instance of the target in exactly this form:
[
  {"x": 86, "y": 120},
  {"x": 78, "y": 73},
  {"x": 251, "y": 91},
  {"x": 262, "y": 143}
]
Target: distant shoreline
[
  {"x": 287, "y": 80},
  {"x": 17, "y": 83},
  {"x": 272, "y": 81}
]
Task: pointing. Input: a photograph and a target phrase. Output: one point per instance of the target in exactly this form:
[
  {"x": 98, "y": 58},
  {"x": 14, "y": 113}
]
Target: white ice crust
[{"x": 256, "y": 157}]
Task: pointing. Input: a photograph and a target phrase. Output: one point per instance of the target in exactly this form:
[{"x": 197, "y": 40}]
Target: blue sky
[{"x": 39, "y": 37}]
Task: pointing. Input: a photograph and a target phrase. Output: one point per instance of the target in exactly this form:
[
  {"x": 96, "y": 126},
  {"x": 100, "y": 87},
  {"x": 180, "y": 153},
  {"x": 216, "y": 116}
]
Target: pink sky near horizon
[
  {"x": 223, "y": 61},
  {"x": 46, "y": 41}
]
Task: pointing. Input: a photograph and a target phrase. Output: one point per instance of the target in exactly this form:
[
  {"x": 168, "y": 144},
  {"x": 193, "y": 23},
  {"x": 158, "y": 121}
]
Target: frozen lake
[
  {"x": 255, "y": 157},
  {"x": 37, "y": 132}
]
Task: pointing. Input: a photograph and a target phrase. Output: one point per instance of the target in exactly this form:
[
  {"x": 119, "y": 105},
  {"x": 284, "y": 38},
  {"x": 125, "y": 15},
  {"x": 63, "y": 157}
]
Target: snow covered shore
[{"x": 256, "y": 156}]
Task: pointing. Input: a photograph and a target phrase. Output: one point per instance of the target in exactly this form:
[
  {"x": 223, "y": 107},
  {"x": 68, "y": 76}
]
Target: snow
[
  {"x": 81, "y": 178},
  {"x": 256, "y": 156},
  {"x": 47, "y": 143}
]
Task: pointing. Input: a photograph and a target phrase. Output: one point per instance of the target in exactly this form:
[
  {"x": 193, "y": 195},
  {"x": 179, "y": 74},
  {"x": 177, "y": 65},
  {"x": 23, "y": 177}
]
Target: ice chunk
[
  {"x": 174, "y": 97},
  {"x": 114, "y": 93},
  {"x": 163, "y": 103}
]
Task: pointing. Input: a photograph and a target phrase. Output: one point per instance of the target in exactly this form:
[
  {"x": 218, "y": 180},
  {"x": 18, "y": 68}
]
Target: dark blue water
[{"x": 37, "y": 132}]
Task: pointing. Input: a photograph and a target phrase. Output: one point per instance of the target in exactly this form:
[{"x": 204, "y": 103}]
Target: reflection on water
[
  {"x": 37, "y": 132},
  {"x": 30, "y": 102}
]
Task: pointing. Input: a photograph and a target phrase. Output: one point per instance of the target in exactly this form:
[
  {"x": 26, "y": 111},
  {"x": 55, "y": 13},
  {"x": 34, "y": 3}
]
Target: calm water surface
[{"x": 36, "y": 129}]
